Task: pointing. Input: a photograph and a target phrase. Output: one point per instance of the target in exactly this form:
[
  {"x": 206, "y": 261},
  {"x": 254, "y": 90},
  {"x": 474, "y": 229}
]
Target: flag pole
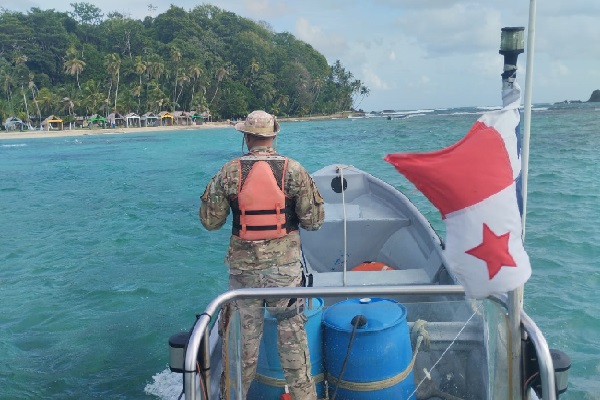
[
  {"x": 515, "y": 297},
  {"x": 527, "y": 110},
  {"x": 511, "y": 45}
]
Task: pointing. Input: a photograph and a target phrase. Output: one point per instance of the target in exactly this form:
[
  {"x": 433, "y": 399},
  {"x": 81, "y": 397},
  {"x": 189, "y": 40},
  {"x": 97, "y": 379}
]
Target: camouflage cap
[{"x": 259, "y": 123}]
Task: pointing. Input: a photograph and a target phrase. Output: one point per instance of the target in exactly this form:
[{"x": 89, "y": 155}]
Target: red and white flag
[{"x": 472, "y": 184}]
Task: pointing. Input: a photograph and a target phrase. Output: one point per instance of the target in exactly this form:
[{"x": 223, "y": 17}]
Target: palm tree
[
  {"x": 140, "y": 69},
  {"x": 220, "y": 74},
  {"x": 176, "y": 58},
  {"x": 364, "y": 92},
  {"x": 92, "y": 96},
  {"x": 195, "y": 73},
  {"x": 268, "y": 95},
  {"x": 33, "y": 89},
  {"x": 8, "y": 81},
  {"x": 68, "y": 105},
  {"x": 47, "y": 99},
  {"x": 74, "y": 66},
  {"x": 183, "y": 79},
  {"x": 254, "y": 67},
  {"x": 112, "y": 63},
  {"x": 20, "y": 59},
  {"x": 317, "y": 85}
]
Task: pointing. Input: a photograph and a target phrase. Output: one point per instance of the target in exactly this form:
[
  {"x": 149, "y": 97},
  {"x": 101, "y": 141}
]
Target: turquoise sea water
[{"x": 102, "y": 256}]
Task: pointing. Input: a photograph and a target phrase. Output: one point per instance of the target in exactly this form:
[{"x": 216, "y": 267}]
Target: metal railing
[{"x": 201, "y": 327}]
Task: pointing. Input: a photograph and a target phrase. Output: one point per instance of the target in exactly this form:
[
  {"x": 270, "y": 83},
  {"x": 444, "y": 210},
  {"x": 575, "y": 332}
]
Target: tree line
[{"x": 82, "y": 62}]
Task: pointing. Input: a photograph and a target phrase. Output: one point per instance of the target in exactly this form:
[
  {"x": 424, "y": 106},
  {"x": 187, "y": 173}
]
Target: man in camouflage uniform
[{"x": 273, "y": 262}]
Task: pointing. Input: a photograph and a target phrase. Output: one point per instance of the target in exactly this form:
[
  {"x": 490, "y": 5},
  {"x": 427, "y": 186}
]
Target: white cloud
[
  {"x": 18, "y": 5},
  {"x": 560, "y": 69},
  {"x": 265, "y": 9},
  {"x": 373, "y": 81},
  {"x": 392, "y": 55},
  {"x": 331, "y": 45},
  {"x": 459, "y": 28}
]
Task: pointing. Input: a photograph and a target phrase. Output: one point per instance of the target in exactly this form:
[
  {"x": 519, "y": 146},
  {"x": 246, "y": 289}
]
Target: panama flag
[{"x": 473, "y": 185}]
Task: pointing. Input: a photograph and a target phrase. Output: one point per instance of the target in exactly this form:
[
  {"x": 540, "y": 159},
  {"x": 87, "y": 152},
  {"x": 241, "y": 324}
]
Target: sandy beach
[
  {"x": 107, "y": 131},
  {"x": 120, "y": 130}
]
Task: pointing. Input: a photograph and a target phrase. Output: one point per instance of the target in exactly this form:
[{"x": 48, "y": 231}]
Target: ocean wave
[{"x": 14, "y": 145}]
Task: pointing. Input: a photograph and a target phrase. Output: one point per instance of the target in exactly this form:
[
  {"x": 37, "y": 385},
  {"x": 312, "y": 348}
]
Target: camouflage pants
[{"x": 291, "y": 335}]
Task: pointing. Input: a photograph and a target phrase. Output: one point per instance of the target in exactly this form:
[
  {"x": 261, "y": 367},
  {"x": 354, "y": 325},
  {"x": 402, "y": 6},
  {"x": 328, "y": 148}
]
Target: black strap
[{"x": 260, "y": 212}]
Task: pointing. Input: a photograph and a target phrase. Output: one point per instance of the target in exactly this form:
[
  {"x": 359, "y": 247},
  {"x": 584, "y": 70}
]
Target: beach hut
[
  {"x": 166, "y": 118},
  {"x": 81, "y": 121},
  {"x": 182, "y": 118},
  {"x": 132, "y": 119},
  {"x": 52, "y": 122},
  {"x": 149, "y": 119},
  {"x": 97, "y": 120},
  {"x": 199, "y": 118},
  {"x": 115, "y": 119},
  {"x": 13, "y": 124}
]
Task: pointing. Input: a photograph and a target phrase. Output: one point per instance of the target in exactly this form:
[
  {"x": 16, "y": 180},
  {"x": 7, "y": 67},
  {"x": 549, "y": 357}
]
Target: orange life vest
[{"x": 261, "y": 209}]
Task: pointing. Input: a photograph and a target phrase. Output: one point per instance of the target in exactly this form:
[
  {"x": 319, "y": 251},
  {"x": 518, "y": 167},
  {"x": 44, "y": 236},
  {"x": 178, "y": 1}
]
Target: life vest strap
[
  {"x": 265, "y": 227},
  {"x": 260, "y": 212}
]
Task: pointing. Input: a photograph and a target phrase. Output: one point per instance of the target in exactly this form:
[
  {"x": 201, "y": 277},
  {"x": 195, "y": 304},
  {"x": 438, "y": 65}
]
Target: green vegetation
[{"x": 207, "y": 59}]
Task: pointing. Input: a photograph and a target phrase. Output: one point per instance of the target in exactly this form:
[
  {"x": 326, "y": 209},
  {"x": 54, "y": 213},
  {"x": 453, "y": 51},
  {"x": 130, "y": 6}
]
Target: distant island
[{"x": 594, "y": 98}]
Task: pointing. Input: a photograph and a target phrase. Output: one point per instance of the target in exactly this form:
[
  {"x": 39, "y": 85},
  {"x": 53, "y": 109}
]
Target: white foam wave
[
  {"x": 400, "y": 112},
  {"x": 14, "y": 145},
  {"x": 166, "y": 385},
  {"x": 489, "y": 108},
  {"x": 465, "y": 113}
]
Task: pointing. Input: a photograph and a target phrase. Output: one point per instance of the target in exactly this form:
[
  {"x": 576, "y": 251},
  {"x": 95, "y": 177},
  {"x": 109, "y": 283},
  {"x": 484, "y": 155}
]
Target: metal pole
[
  {"x": 527, "y": 110},
  {"x": 515, "y": 297}
]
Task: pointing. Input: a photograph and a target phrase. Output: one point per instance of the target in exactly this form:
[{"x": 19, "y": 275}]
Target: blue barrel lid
[{"x": 380, "y": 314}]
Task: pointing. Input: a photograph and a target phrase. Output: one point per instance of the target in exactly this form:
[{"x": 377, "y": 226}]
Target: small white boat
[
  {"x": 386, "y": 319},
  {"x": 421, "y": 338}
]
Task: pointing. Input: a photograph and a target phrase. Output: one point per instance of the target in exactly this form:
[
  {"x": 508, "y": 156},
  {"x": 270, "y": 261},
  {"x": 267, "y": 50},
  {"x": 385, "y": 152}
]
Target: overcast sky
[{"x": 417, "y": 54}]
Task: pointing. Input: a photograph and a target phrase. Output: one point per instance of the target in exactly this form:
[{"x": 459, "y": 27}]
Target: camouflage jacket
[{"x": 259, "y": 254}]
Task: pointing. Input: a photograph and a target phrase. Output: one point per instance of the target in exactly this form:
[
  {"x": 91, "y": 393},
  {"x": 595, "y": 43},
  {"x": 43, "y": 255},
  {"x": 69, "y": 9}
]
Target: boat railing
[
  {"x": 545, "y": 363},
  {"x": 200, "y": 333}
]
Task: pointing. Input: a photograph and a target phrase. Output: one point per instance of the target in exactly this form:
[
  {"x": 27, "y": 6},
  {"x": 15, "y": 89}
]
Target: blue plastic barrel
[
  {"x": 269, "y": 366},
  {"x": 380, "y": 350}
]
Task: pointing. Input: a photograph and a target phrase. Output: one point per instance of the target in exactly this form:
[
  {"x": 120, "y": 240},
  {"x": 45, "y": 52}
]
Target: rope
[
  {"x": 391, "y": 381},
  {"x": 280, "y": 383},
  {"x": 427, "y": 374}
]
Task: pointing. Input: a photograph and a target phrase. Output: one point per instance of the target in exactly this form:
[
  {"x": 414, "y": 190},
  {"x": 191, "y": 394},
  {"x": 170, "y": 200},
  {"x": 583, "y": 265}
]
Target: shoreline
[
  {"x": 121, "y": 130},
  {"x": 106, "y": 131}
]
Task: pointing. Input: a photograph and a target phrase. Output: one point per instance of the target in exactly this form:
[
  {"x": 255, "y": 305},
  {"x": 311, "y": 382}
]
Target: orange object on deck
[{"x": 372, "y": 266}]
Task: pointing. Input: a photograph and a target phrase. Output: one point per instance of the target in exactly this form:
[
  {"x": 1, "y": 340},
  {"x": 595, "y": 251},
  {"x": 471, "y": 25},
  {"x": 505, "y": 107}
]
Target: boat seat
[{"x": 372, "y": 278}]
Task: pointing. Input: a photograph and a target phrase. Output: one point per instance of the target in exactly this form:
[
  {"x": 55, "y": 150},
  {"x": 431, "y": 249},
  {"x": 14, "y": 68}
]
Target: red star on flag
[{"x": 494, "y": 251}]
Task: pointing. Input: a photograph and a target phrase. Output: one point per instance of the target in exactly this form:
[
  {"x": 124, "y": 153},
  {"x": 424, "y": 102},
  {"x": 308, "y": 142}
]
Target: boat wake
[{"x": 166, "y": 385}]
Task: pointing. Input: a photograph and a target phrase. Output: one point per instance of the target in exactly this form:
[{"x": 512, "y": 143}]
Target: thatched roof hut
[
  {"x": 132, "y": 119},
  {"x": 149, "y": 119},
  {"x": 115, "y": 119},
  {"x": 13, "y": 123},
  {"x": 166, "y": 118},
  {"x": 182, "y": 118},
  {"x": 52, "y": 122}
]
